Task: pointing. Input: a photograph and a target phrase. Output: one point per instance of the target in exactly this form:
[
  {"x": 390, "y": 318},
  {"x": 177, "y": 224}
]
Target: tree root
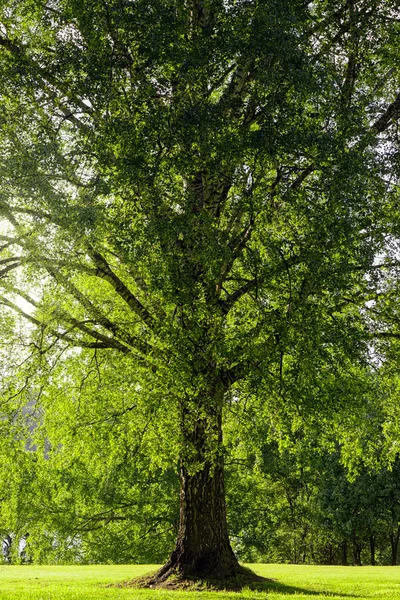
[{"x": 170, "y": 579}]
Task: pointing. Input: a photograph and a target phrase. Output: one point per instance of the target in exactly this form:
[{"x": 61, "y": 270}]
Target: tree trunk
[
  {"x": 344, "y": 554},
  {"x": 202, "y": 548},
  {"x": 357, "y": 547},
  {"x": 394, "y": 543},
  {"x": 372, "y": 549}
]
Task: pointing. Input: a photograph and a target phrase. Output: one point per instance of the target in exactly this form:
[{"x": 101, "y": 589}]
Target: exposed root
[{"x": 243, "y": 578}]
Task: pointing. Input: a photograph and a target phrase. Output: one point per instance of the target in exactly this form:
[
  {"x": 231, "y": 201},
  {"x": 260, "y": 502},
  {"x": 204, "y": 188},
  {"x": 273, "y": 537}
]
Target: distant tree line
[
  {"x": 292, "y": 505},
  {"x": 302, "y": 513}
]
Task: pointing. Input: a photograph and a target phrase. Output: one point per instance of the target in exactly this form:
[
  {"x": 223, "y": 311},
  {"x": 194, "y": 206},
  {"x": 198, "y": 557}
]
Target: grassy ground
[{"x": 290, "y": 582}]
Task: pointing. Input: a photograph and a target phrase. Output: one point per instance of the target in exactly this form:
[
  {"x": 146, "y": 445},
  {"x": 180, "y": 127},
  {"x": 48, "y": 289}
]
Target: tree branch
[
  {"x": 140, "y": 345},
  {"x": 392, "y": 113},
  {"x": 235, "y": 296},
  {"x": 105, "y": 272},
  {"x": 9, "y": 268},
  {"x": 20, "y": 311},
  {"x": 300, "y": 178},
  {"x": 102, "y": 340}
]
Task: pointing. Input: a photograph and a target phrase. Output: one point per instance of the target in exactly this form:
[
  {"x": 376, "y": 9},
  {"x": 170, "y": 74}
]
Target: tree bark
[
  {"x": 202, "y": 548},
  {"x": 394, "y": 543},
  {"x": 357, "y": 547},
  {"x": 372, "y": 549},
  {"x": 344, "y": 554}
]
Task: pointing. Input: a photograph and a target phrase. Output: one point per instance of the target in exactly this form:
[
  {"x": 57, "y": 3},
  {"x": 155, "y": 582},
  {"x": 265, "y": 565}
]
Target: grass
[{"x": 290, "y": 581}]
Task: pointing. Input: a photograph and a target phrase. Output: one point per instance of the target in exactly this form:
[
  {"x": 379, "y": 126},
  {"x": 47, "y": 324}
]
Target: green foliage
[{"x": 198, "y": 216}]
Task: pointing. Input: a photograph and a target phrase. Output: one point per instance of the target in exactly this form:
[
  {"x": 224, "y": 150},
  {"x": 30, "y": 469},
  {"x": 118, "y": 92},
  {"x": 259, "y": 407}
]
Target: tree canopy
[{"x": 199, "y": 206}]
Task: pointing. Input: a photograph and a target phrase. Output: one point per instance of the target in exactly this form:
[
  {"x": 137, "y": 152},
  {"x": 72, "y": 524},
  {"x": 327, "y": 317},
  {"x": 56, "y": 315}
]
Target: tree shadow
[
  {"x": 273, "y": 585},
  {"x": 237, "y": 584}
]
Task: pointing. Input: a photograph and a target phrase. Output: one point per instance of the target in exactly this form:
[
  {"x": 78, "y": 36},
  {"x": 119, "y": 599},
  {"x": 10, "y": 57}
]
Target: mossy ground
[{"x": 285, "y": 581}]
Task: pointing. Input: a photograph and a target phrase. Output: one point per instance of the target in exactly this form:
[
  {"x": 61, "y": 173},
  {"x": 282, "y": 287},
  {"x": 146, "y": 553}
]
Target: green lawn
[{"x": 290, "y": 581}]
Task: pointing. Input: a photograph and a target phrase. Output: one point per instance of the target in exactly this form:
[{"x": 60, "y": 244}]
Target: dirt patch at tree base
[{"x": 244, "y": 579}]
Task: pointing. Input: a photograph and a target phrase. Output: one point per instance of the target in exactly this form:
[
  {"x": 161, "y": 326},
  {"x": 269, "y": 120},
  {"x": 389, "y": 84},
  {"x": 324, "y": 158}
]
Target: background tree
[{"x": 202, "y": 187}]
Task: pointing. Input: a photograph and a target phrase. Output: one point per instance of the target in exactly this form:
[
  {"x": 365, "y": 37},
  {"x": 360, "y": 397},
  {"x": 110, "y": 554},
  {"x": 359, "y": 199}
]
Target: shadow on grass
[
  {"x": 276, "y": 586},
  {"x": 236, "y": 584}
]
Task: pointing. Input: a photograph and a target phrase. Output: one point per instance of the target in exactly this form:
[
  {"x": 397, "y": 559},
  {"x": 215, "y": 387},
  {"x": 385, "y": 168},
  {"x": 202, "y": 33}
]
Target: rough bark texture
[{"x": 202, "y": 549}]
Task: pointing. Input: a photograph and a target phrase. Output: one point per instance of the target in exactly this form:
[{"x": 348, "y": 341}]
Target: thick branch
[
  {"x": 18, "y": 309},
  {"x": 102, "y": 340},
  {"x": 392, "y": 113},
  {"x": 100, "y": 318},
  {"x": 9, "y": 45},
  {"x": 105, "y": 272},
  {"x": 230, "y": 376},
  {"x": 45, "y": 80},
  {"x": 300, "y": 179},
  {"x": 235, "y": 296},
  {"x": 9, "y": 267},
  {"x": 234, "y": 95},
  {"x": 386, "y": 335}
]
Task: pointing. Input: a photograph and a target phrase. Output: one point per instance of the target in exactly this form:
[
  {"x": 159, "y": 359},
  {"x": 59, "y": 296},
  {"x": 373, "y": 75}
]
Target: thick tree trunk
[{"x": 202, "y": 548}]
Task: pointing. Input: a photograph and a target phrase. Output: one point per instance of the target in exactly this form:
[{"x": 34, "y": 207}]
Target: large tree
[{"x": 204, "y": 187}]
